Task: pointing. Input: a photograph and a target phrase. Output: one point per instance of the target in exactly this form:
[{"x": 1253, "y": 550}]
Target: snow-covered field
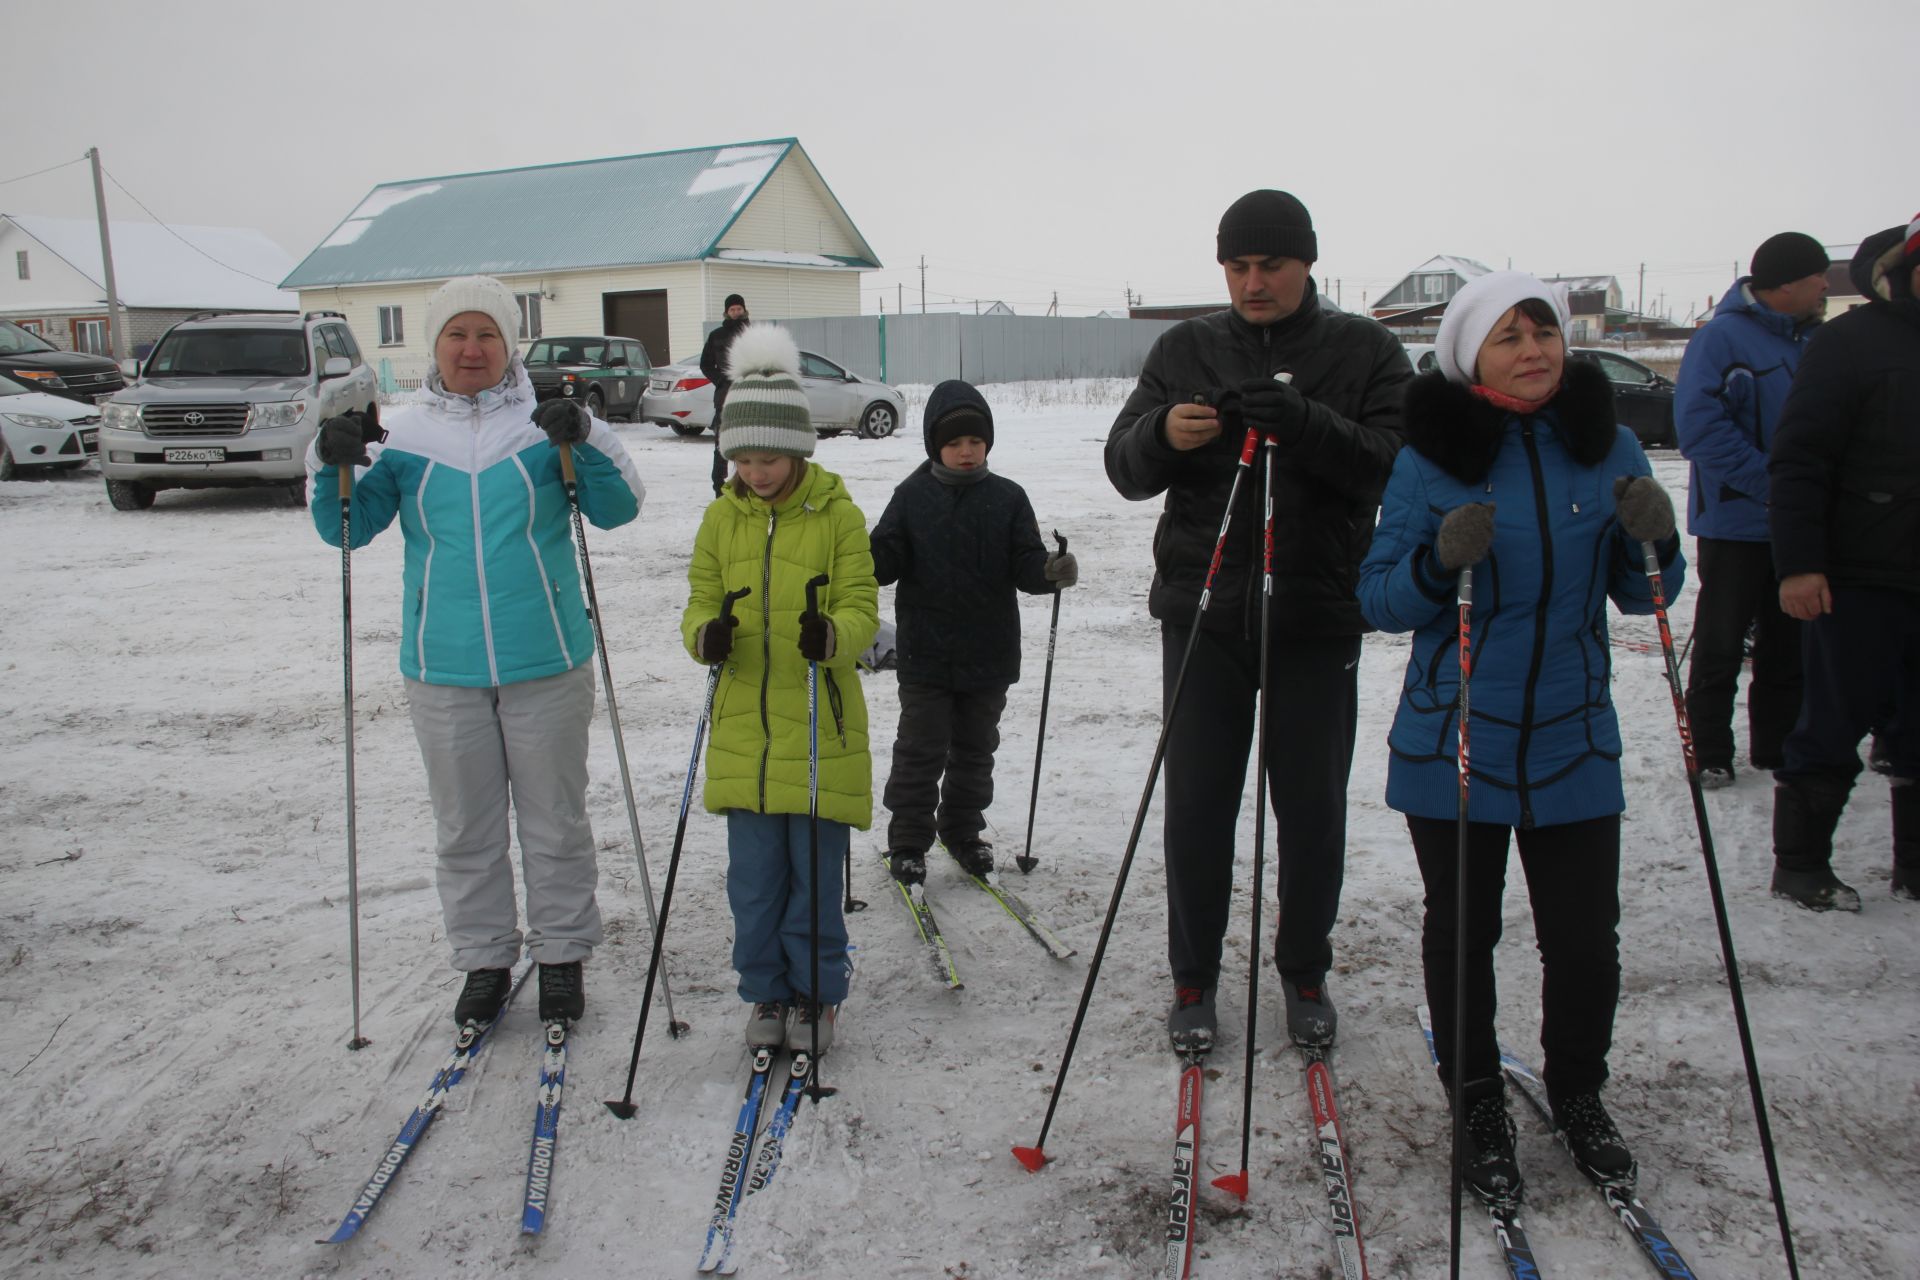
[{"x": 174, "y": 976}]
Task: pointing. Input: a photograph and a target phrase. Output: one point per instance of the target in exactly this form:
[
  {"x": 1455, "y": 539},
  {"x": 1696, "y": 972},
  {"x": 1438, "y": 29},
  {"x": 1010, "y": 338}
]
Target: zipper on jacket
[
  {"x": 766, "y": 652},
  {"x": 480, "y": 542},
  {"x": 1539, "y": 622}
]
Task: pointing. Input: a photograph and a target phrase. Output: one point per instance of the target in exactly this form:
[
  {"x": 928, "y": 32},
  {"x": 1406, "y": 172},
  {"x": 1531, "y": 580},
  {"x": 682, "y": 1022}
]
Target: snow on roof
[
  {"x": 782, "y": 257},
  {"x": 1582, "y": 284},
  {"x": 152, "y": 267},
  {"x": 1465, "y": 268}
]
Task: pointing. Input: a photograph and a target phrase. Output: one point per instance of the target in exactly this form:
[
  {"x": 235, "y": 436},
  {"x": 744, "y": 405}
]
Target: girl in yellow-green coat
[{"x": 780, "y": 522}]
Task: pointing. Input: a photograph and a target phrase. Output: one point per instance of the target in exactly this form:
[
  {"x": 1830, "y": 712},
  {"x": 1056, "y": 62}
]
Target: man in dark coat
[
  {"x": 1336, "y": 428},
  {"x": 959, "y": 540},
  {"x": 713, "y": 367},
  {"x": 1846, "y": 538}
]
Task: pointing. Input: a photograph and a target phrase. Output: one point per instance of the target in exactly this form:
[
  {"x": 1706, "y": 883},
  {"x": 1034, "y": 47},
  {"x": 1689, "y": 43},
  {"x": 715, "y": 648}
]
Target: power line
[
  {"x": 49, "y": 169},
  {"x": 182, "y": 239}
]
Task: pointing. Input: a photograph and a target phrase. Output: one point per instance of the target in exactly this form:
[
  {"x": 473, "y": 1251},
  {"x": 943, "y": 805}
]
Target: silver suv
[{"x": 230, "y": 400}]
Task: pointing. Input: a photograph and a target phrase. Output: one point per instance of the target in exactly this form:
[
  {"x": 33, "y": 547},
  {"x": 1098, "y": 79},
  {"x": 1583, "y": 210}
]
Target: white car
[
  {"x": 41, "y": 430},
  {"x": 679, "y": 396}
]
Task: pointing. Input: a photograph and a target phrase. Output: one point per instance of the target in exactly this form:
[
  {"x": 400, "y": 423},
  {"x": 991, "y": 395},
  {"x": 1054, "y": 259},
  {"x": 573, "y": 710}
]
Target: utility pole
[
  {"x": 1053, "y": 308},
  {"x": 899, "y": 298},
  {"x": 1641, "y": 306},
  {"x": 923, "y": 284},
  {"x": 106, "y": 257}
]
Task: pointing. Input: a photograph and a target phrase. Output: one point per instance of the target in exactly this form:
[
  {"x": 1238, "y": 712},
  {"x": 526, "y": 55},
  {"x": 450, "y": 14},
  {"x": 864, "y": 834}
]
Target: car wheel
[
  {"x": 129, "y": 495},
  {"x": 7, "y": 469},
  {"x": 828, "y": 433},
  {"x": 686, "y": 428},
  {"x": 878, "y": 421},
  {"x": 596, "y": 403}
]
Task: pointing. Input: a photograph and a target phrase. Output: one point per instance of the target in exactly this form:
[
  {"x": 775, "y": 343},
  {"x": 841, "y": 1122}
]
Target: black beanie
[
  {"x": 1270, "y": 223},
  {"x": 1787, "y": 257},
  {"x": 956, "y": 409},
  {"x": 733, "y": 300}
]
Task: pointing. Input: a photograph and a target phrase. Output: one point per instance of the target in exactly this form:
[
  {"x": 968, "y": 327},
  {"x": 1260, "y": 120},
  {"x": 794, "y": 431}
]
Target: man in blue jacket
[{"x": 1733, "y": 384}]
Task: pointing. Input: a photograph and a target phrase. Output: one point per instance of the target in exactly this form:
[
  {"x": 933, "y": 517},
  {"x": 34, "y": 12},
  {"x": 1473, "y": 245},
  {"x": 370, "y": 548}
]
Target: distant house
[
  {"x": 53, "y": 283},
  {"x": 1594, "y": 306},
  {"x": 645, "y": 246},
  {"x": 961, "y": 307}
]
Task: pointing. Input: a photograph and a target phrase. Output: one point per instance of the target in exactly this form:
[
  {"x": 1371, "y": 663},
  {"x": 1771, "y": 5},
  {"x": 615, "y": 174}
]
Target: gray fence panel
[{"x": 980, "y": 349}]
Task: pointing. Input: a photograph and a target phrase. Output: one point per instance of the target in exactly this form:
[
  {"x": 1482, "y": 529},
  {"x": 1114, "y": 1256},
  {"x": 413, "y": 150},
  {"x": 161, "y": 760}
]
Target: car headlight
[
  {"x": 39, "y": 377},
  {"x": 120, "y": 417},
  {"x": 284, "y": 414},
  {"x": 40, "y": 420}
]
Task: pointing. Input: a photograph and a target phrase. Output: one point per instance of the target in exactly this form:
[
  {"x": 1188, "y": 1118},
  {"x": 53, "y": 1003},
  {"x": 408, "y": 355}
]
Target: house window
[
  {"x": 20, "y": 261},
  {"x": 390, "y": 331},
  {"x": 35, "y": 327},
  {"x": 90, "y": 336},
  {"x": 529, "y": 315},
  {"x": 1433, "y": 286}
]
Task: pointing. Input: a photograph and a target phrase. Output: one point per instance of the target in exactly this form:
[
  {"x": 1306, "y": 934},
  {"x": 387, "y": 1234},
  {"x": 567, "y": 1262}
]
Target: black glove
[
  {"x": 1062, "y": 569},
  {"x": 1645, "y": 510},
  {"x": 1465, "y": 534},
  {"x": 343, "y": 441},
  {"x": 1273, "y": 408},
  {"x": 715, "y": 640},
  {"x": 564, "y": 421},
  {"x": 816, "y": 638}
]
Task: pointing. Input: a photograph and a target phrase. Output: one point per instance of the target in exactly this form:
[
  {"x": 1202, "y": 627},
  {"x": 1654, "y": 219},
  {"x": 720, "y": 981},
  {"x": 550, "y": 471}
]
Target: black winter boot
[
  {"x": 1805, "y": 813},
  {"x": 1489, "y": 1167},
  {"x": 908, "y": 866},
  {"x": 563, "y": 992},
  {"x": 974, "y": 856},
  {"x": 1598, "y": 1149},
  {"x": 1906, "y": 839},
  {"x": 481, "y": 998}
]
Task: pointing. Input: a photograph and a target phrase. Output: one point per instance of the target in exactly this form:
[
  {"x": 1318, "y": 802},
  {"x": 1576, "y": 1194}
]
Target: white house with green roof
[{"x": 644, "y": 246}]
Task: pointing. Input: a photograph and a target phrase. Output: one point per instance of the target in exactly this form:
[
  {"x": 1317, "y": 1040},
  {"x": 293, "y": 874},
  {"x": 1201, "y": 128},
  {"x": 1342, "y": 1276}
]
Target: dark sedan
[{"x": 27, "y": 358}]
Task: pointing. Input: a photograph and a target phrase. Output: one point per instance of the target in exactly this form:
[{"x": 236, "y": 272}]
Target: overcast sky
[{"x": 1030, "y": 148}]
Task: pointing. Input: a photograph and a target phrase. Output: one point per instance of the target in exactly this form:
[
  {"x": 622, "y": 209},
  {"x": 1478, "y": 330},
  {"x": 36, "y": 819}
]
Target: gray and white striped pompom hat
[{"x": 766, "y": 409}]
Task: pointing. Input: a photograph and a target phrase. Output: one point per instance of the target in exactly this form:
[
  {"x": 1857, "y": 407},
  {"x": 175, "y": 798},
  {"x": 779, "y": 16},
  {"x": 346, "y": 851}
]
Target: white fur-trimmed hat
[
  {"x": 766, "y": 409},
  {"x": 474, "y": 293},
  {"x": 1477, "y": 308}
]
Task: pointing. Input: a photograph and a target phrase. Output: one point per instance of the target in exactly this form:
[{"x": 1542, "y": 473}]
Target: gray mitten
[
  {"x": 1645, "y": 510},
  {"x": 1465, "y": 534},
  {"x": 1062, "y": 570},
  {"x": 564, "y": 421}
]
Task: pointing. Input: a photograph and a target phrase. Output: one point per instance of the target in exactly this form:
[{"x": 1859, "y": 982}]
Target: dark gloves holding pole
[
  {"x": 1274, "y": 409},
  {"x": 564, "y": 421},
  {"x": 343, "y": 440},
  {"x": 715, "y": 640},
  {"x": 1643, "y": 507},
  {"x": 816, "y": 637},
  {"x": 1465, "y": 534}
]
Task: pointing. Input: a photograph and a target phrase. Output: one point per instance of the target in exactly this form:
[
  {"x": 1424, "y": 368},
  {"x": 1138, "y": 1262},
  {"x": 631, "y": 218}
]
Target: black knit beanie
[
  {"x": 1787, "y": 257},
  {"x": 955, "y": 409},
  {"x": 1270, "y": 223},
  {"x": 733, "y": 300}
]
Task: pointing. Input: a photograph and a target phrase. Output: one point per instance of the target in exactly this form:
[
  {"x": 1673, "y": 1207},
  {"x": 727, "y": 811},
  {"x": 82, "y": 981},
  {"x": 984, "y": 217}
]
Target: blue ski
[
  {"x": 546, "y": 1129},
  {"x": 466, "y": 1047},
  {"x": 726, "y": 1201},
  {"x": 772, "y": 1144}
]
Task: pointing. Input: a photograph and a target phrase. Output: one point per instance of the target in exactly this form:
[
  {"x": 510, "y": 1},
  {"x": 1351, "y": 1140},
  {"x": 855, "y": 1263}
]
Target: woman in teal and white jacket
[{"x": 496, "y": 645}]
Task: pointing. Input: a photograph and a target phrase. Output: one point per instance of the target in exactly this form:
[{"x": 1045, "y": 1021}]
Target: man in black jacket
[
  {"x": 1336, "y": 427},
  {"x": 713, "y": 367},
  {"x": 1845, "y": 476}
]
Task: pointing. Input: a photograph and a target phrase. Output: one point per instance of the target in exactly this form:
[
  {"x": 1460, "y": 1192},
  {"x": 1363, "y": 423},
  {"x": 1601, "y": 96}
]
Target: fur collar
[{"x": 1461, "y": 433}]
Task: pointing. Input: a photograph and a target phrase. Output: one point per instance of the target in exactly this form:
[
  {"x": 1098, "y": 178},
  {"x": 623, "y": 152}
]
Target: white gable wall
[
  {"x": 52, "y": 285},
  {"x": 792, "y": 212}
]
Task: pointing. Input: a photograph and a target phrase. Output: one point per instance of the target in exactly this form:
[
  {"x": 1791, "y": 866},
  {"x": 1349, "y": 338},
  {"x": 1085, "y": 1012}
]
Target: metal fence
[{"x": 980, "y": 349}]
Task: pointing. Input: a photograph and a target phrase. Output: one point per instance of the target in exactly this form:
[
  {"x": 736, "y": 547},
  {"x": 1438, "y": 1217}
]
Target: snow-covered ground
[{"x": 174, "y": 975}]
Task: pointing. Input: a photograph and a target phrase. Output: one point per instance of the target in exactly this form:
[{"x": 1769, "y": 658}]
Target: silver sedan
[{"x": 679, "y": 396}]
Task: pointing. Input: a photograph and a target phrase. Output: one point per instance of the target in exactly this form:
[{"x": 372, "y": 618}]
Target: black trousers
[
  {"x": 1868, "y": 645},
  {"x": 1312, "y": 702},
  {"x": 1573, "y": 881},
  {"x": 942, "y": 779},
  {"x": 1738, "y": 587}
]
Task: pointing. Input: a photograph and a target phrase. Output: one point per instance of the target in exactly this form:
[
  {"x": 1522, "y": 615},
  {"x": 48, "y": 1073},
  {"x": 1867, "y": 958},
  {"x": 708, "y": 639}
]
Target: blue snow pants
[{"x": 768, "y": 877}]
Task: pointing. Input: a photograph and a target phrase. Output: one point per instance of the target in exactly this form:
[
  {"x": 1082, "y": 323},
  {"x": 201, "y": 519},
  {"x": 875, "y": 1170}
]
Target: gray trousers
[{"x": 524, "y": 742}]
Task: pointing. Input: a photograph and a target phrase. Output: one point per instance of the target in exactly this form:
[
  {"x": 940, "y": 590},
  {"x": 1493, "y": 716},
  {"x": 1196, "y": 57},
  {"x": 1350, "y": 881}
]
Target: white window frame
[
  {"x": 530, "y": 326},
  {"x": 392, "y": 327},
  {"x": 20, "y": 264},
  {"x": 37, "y": 328},
  {"x": 90, "y": 335}
]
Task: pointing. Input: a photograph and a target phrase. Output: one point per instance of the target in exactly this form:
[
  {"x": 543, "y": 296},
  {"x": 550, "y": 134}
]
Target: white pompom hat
[
  {"x": 474, "y": 293},
  {"x": 1477, "y": 308},
  {"x": 766, "y": 409}
]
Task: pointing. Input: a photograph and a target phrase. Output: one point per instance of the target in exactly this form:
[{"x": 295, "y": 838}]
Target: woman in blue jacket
[
  {"x": 1516, "y": 468},
  {"x": 495, "y": 643}
]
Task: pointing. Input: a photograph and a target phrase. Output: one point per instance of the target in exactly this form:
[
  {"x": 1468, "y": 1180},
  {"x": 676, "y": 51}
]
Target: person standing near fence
[
  {"x": 713, "y": 367},
  {"x": 1337, "y": 427}
]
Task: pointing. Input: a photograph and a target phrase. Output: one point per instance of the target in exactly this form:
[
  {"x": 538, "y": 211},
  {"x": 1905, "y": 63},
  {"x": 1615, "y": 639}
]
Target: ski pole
[
  {"x": 1237, "y": 1182},
  {"x": 346, "y": 666},
  {"x": 1464, "y": 597},
  {"x": 1034, "y": 1157},
  {"x": 1027, "y": 861},
  {"x": 815, "y": 1089},
  {"x": 625, "y": 1107},
  {"x": 674, "y": 1025},
  {"x": 1685, "y": 725}
]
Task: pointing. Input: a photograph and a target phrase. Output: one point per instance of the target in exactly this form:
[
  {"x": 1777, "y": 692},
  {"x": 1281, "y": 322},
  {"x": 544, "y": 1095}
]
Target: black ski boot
[
  {"x": 1489, "y": 1166},
  {"x": 1598, "y": 1149},
  {"x": 974, "y": 856},
  {"x": 1906, "y": 839},
  {"x": 480, "y": 1000},
  {"x": 1191, "y": 1026},
  {"x": 563, "y": 992},
  {"x": 1805, "y": 812},
  {"x": 907, "y": 866},
  {"x": 1311, "y": 1020}
]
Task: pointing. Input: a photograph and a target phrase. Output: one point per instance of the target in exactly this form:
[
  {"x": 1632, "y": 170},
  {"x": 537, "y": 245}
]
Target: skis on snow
[
  {"x": 1335, "y": 1174},
  {"x": 1185, "y": 1200},
  {"x": 736, "y": 1182},
  {"x": 1022, "y": 914},
  {"x": 467, "y": 1043},
  {"x": 941, "y": 956},
  {"x": 546, "y": 1129}
]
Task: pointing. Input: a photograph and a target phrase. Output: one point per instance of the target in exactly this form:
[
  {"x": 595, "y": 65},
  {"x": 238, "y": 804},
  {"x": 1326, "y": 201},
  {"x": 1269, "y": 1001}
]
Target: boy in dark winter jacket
[{"x": 959, "y": 540}]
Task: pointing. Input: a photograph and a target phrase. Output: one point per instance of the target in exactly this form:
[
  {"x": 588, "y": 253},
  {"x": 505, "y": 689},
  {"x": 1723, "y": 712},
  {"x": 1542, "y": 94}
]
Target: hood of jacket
[
  {"x": 948, "y": 396},
  {"x": 514, "y": 388},
  {"x": 1461, "y": 433},
  {"x": 816, "y": 489},
  {"x": 1739, "y": 300},
  {"x": 1874, "y": 267}
]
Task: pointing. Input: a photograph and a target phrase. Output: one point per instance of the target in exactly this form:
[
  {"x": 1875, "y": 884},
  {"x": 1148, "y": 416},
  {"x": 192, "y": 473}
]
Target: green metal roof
[{"x": 669, "y": 206}]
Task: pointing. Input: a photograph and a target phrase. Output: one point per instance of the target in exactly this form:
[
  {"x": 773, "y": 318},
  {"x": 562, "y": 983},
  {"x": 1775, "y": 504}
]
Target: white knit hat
[
  {"x": 474, "y": 293},
  {"x": 1477, "y": 308},
  {"x": 766, "y": 409}
]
